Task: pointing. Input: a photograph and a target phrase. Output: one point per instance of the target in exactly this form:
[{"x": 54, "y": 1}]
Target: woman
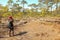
[{"x": 11, "y": 26}]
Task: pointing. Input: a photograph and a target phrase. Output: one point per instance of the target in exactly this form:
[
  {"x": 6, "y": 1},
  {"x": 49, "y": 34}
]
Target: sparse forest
[
  {"x": 44, "y": 8},
  {"x": 34, "y": 21}
]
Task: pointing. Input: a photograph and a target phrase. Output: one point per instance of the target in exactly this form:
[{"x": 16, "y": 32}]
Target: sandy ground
[{"x": 36, "y": 30}]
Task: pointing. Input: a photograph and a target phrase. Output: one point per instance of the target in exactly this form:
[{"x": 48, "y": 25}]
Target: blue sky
[{"x": 4, "y": 2}]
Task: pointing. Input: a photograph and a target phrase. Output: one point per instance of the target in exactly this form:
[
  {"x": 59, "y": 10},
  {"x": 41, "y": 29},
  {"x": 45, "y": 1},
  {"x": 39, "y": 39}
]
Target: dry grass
[{"x": 36, "y": 30}]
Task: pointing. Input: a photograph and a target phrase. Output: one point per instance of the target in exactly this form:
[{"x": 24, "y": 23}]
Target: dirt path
[{"x": 36, "y": 30}]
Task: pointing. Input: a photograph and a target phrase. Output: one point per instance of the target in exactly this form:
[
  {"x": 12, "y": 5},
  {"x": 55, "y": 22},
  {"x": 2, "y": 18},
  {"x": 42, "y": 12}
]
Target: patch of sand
[{"x": 37, "y": 30}]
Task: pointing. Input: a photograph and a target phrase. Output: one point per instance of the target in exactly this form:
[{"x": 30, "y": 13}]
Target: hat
[{"x": 10, "y": 17}]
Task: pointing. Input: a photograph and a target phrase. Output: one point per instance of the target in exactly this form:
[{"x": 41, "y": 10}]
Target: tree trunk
[
  {"x": 47, "y": 6},
  {"x": 56, "y": 7}
]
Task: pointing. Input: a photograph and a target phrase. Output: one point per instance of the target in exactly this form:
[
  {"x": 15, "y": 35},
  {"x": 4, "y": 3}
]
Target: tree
[
  {"x": 1, "y": 11},
  {"x": 57, "y": 5},
  {"x": 56, "y": 2},
  {"x": 16, "y": 8},
  {"x": 34, "y": 6},
  {"x": 42, "y": 4},
  {"x": 50, "y": 4},
  {"x": 31, "y": 5},
  {"x": 10, "y": 4},
  {"x": 23, "y": 2},
  {"x": 46, "y": 2}
]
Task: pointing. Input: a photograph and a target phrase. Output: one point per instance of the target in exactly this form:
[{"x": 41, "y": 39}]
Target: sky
[{"x": 4, "y": 2}]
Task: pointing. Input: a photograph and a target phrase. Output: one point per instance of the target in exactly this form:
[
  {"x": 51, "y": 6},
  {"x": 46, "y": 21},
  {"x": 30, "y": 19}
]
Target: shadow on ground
[{"x": 21, "y": 33}]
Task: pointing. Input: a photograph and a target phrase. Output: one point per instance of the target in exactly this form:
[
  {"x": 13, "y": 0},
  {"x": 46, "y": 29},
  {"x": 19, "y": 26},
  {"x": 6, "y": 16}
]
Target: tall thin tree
[{"x": 23, "y": 2}]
